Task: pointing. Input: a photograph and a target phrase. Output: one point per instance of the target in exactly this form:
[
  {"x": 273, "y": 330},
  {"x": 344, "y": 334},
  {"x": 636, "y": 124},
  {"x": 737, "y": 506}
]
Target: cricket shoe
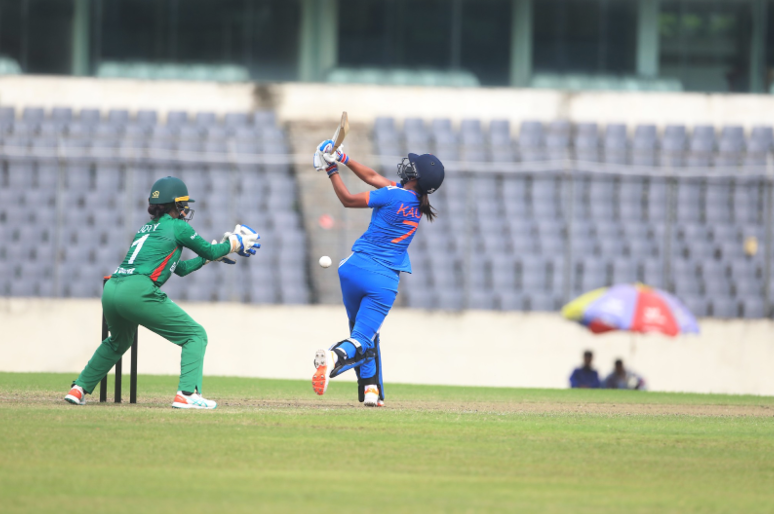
[
  {"x": 371, "y": 397},
  {"x": 76, "y": 396},
  {"x": 324, "y": 361},
  {"x": 194, "y": 401}
]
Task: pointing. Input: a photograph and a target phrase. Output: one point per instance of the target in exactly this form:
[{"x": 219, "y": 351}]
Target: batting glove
[
  {"x": 320, "y": 162},
  {"x": 337, "y": 156}
]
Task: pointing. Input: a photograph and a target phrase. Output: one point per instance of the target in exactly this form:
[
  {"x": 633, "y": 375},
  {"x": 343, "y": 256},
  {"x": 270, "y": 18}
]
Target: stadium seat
[
  {"x": 673, "y": 146},
  {"x": 615, "y": 144},
  {"x": 725, "y": 308},
  {"x": 753, "y": 308},
  {"x": 540, "y": 302}
]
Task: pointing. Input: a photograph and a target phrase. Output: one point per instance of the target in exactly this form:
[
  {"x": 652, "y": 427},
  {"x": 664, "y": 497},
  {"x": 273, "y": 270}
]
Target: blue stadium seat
[
  {"x": 651, "y": 272},
  {"x": 531, "y": 141},
  {"x": 264, "y": 118},
  {"x": 700, "y": 152},
  {"x": 540, "y": 302},
  {"x": 673, "y": 146},
  {"x": 753, "y": 308},
  {"x": 644, "y": 145},
  {"x": 586, "y": 144},
  {"x": 61, "y": 115},
  {"x": 206, "y": 119},
  {"x": 615, "y": 145},
  {"x": 558, "y": 145},
  {"x": 146, "y": 118},
  {"x": 118, "y": 116},
  {"x": 33, "y": 115},
  {"x": 725, "y": 308},
  {"x": 511, "y": 301},
  {"x": 7, "y": 113},
  {"x": 176, "y": 119},
  {"x": 500, "y": 133},
  {"x": 698, "y": 305},
  {"x": 89, "y": 117}
]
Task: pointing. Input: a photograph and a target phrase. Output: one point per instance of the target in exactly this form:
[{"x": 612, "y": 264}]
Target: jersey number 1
[
  {"x": 414, "y": 224},
  {"x": 138, "y": 244}
]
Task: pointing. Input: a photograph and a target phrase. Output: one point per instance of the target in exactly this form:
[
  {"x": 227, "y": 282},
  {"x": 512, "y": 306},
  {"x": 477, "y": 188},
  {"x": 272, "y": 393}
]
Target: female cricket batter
[
  {"x": 369, "y": 277},
  {"x": 132, "y": 296}
]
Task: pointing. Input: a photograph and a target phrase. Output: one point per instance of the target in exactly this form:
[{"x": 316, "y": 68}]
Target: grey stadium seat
[
  {"x": 615, "y": 144},
  {"x": 146, "y": 118},
  {"x": 725, "y": 308},
  {"x": 673, "y": 144}
]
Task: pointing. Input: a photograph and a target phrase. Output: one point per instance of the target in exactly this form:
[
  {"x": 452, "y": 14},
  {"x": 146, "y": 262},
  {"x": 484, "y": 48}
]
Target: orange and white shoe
[
  {"x": 76, "y": 396},
  {"x": 194, "y": 401},
  {"x": 371, "y": 397},
  {"x": 324, "y": 361}
]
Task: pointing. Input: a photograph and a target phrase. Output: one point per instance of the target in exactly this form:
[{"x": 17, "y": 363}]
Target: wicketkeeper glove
[
  {"x": 244, "y": 240},
  {"x": 319, "y": 160}
]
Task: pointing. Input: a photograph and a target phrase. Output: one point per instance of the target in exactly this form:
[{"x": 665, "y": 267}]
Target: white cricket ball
[{"x": 325, "y": 261}]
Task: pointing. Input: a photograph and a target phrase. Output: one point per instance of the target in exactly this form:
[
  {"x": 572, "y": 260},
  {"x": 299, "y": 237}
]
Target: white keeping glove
[{"x": 244, "y": 240}]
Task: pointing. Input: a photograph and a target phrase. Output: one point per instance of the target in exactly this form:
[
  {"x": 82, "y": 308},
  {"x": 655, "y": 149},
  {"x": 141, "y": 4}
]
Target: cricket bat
[{"x": 341, "y": 132}]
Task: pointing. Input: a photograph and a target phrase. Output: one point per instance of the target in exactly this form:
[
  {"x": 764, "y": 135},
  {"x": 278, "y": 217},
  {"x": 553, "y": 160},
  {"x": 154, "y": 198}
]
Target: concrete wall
[
  {"x": 472, "y": 348},
  {"x": 324, "y": 102}
]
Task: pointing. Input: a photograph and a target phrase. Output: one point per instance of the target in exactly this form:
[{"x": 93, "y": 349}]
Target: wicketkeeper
[{"x": 132, "y": 296}]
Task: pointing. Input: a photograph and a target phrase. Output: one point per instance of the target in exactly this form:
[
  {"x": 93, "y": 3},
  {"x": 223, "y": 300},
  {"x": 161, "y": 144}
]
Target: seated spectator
[
  {"x": 585, "y": 376},
  {"x": 621, "y": 378}
]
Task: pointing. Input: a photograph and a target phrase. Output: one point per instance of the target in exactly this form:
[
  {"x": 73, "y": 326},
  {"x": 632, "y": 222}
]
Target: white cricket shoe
[
  {"x": 195, "y": 401},
  {"x": 76, "y": 396},
  {"x": 324, "y": 361},
  {"x": 372, "y": 397}
]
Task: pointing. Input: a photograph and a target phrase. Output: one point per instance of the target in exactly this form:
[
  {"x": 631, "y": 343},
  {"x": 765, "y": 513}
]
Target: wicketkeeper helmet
[
  {"x": 172, "y": 190},
  {"x": 169, "y": 190}
]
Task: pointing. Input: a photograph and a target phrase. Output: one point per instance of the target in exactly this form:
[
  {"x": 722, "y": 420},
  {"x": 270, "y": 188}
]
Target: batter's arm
[
  {"x": 368, "y": 175},
  {"x": 347, "y": 199}
]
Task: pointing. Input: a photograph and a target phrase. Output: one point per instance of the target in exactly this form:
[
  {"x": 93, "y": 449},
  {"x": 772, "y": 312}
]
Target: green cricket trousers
[{"x": 135, "y": 300}]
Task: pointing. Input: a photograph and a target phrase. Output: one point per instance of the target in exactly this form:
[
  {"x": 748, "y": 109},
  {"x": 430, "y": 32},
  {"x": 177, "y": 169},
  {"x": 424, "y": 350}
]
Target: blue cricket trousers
[{"x": 369, "y": 290}]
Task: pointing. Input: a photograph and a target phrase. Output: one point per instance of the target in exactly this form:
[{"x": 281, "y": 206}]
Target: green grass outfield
[{"x": 274, "y": 446}]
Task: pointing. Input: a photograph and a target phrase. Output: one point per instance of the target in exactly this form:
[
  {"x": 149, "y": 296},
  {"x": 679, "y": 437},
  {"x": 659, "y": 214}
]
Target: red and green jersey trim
[{"x": 157, "y": 272}]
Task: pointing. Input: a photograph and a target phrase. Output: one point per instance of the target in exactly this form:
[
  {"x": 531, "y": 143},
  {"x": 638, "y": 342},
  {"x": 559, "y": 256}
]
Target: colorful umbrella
[{"x": 632, "y": 307}]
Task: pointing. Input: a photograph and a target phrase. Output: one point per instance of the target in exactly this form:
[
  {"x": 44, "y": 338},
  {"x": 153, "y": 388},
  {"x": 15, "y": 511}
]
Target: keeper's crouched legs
[
  {"x": 106, "y": 355},
  {"x": 192, "y": 360},
  {"x": 171, "y": 322}
]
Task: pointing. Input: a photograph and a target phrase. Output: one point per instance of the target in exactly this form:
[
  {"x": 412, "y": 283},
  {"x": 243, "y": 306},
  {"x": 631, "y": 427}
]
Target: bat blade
[{"x": 341, "y": 132}]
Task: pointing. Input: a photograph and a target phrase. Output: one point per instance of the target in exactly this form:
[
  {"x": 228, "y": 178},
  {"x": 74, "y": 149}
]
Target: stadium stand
[
  {"x": 80, "y": 181},
  {"x": 676, "y": 212},
  {"x": 531, "y": 216}
]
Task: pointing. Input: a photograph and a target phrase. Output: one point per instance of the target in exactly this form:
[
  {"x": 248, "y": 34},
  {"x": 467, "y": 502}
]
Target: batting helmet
[{"x": 426, "y": 168}]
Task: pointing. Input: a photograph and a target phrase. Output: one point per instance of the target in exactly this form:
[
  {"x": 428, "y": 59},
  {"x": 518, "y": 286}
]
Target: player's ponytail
[
  {"x": 159, "y": 209},
  {"x": 427, "y": 209}
]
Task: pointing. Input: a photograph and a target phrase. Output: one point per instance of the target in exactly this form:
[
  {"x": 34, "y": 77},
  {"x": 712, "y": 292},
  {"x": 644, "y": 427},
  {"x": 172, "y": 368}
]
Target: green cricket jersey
[{"x": 156, "y": 250}]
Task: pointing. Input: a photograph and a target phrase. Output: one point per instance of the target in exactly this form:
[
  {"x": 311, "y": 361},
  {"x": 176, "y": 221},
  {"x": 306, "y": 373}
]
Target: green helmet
[{"x": 168, "y": 190}]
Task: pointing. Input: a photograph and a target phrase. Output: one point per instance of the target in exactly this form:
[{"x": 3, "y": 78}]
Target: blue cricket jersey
[{"x": 394, "y": 222}]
